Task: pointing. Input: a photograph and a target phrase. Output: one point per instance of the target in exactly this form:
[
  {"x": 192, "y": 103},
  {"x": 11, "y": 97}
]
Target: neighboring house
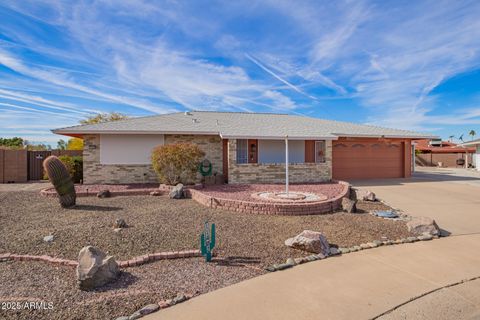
[
  {"x": 247, "y": 147},
  {"x": 435, "y": 152},
  {"x": 476, "y": 157}
]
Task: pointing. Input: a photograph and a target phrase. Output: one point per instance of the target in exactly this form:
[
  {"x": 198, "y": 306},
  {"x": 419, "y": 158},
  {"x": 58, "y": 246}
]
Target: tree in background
[
  {"x": 13, "y": 143},
  {"x": 451, "y": 138},
  {"x": 472, "y": 133},
  {"x": 104, "y": 117},
  {"x": 61, "y": 144},
  {"x": 75, "y": 144},
  {"x": 36, "y": 146}
]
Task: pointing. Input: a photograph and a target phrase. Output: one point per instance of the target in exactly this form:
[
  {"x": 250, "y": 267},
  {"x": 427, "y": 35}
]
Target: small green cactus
[
  {"x": 207, "y": 241},
  {"x": 61, "y": 180}
]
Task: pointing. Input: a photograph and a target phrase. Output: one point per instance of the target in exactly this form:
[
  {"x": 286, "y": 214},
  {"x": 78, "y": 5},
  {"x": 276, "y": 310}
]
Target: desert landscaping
[{"x": 247, "y": 245}]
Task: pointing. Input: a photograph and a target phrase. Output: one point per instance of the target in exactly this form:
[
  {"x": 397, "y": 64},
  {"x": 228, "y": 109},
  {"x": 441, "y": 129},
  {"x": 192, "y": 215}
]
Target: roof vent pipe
[
  {"x": 194, "y": 120},
  {"x": 188, "y": 113},
  {"x": 218, "y": 123}
]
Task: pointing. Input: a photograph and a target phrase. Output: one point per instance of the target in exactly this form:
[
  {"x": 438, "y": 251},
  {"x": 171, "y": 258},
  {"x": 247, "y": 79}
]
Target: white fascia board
[
  {"x": 384, "y": 136},
  {"x": 278, "y": 137},
  {"x": 133, "y": 132},
  {"x": 470, "y": 143}
]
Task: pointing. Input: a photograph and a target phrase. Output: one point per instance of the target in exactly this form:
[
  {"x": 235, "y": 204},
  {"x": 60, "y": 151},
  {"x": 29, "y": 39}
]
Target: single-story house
[
  {"x": 476, "y": 157},
  {"x": 247, "y": 147},
  {"x": 435, "y": 152}
]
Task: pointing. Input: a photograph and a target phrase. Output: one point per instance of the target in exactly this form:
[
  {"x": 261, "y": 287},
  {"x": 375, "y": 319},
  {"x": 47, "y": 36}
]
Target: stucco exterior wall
[
  {"x": 95, "y": 172},
  {"x": 275, "y": 173},
  {"x": 477, "y": 158}
]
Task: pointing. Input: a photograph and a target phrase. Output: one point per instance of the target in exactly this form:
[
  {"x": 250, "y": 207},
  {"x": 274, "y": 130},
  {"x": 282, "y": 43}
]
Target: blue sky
[{"x": 402, "y": 64}]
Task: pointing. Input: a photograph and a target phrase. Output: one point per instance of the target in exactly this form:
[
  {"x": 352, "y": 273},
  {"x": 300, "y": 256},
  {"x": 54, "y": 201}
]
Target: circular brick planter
[{"x": 256, "y": 206}]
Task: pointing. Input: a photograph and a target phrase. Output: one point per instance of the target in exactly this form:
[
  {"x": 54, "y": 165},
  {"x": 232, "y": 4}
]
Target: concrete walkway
[{"x": 365, "y": 284}]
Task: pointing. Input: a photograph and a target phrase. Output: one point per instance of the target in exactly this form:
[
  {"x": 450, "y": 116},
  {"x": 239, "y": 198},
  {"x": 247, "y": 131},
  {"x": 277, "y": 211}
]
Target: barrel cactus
[{"x": 61, "y": 180}]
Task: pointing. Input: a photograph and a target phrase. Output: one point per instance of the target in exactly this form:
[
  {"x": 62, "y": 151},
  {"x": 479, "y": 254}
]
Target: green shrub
[
  {"x": 177, "y": 163},
  {"x": 74, "y": 166}
]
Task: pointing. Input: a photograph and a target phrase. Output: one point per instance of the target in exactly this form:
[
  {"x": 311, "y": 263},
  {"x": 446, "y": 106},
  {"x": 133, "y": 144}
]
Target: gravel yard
[{"x": 156, "y": 224}]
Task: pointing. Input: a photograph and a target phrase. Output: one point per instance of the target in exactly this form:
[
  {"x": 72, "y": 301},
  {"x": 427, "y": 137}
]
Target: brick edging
[
  {"x": 137, "y": 261},
  {"x": 44, "y": 258},
  {"x": 51, "y": 193},
  {"x": 147, "y": 258},
  {"x": 252, "y": 207}
]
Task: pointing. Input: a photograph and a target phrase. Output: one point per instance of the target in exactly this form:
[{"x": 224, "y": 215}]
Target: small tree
[
  {"x": 472, "y": 133},
  {"x": 177, "y": 163},
  {"x": 75, "y": 144},
  {"x": 61, "y": 144}
]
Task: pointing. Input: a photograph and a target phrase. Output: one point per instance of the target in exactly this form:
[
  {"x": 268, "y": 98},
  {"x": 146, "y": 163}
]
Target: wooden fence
[{"x": 23, "y": 165}]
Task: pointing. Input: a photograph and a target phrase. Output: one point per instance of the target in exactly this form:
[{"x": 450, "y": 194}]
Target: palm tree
[
  {"x": 451, "y": 138},
  {"x": 472, "y": 133}
]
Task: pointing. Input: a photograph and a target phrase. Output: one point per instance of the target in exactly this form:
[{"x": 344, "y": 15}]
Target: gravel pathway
[{"x": 156, "y": 224}]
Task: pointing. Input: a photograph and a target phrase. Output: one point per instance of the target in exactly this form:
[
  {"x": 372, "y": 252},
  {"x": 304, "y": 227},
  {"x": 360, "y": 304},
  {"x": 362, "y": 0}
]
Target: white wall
[
  {"x": 476, "y": 160},
  {"x": 128, "y": 149},
  {"x": 273, "y": 151}
]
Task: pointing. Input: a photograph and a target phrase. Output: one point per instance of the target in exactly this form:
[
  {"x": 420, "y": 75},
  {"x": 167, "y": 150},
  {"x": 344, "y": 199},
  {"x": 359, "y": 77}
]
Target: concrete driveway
[
  {"x": 424, "y": 280},
  {"x": 450, "y": 196}
]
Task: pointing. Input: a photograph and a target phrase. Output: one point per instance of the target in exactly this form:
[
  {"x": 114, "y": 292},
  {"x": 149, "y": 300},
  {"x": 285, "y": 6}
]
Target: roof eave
[
  {"x": 70, "y": 132},
  {"x": 391, "y": 136},
  {"x": 279, "y": 137}
]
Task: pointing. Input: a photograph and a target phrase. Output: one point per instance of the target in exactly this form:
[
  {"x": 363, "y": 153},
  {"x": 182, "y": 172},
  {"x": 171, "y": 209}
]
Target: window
[
  {"x": 242, "y": 151},
  {"x": 320, "y": 149}
]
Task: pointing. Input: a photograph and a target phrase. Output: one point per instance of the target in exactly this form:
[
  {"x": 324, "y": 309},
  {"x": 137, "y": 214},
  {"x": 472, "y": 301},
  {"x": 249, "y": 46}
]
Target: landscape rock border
[
  {"x": 134, "y": 262},
  {"x": 162, "y": 304},
  {"x": 291, "y": 262}
]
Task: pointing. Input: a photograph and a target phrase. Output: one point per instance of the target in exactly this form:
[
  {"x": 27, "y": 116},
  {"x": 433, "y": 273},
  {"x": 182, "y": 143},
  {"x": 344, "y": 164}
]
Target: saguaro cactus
[
  {"x": 207, "y": 241},
  {"x": 61, "y": 180}
]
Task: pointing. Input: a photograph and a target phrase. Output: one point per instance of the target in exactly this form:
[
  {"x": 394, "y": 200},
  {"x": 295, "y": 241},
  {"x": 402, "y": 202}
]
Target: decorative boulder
[
  {"x": 423, "y": 225},
  {"x": 311, "y": 241},
  {"x": 349, "y": 205},
  {"x": 95, "y": 269},
  {"x": 358, "y": 194},
  {"x": 119, "y": 223},
  {"x": 104, "y": 194},
  {"x": 177, "y": 192}
]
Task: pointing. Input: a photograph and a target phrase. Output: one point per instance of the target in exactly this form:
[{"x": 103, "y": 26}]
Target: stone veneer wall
[
  {"x": 275, "y": 173},
  {"x": 96, "y": 173},
  {"x": 210, "y": 144}
]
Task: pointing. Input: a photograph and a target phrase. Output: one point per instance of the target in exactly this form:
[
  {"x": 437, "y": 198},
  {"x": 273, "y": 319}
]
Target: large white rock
[
  {"x": 311, "y": 241},
  {"x": 361, "y": 194},
  {"x": 421, "y": 225},
  {"x": 95, "y": 269},
  {"x": 177, "y": 192}
]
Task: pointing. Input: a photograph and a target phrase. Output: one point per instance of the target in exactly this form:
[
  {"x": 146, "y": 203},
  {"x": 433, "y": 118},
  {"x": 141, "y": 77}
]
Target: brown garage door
[{"x": 366, "y": 160}]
